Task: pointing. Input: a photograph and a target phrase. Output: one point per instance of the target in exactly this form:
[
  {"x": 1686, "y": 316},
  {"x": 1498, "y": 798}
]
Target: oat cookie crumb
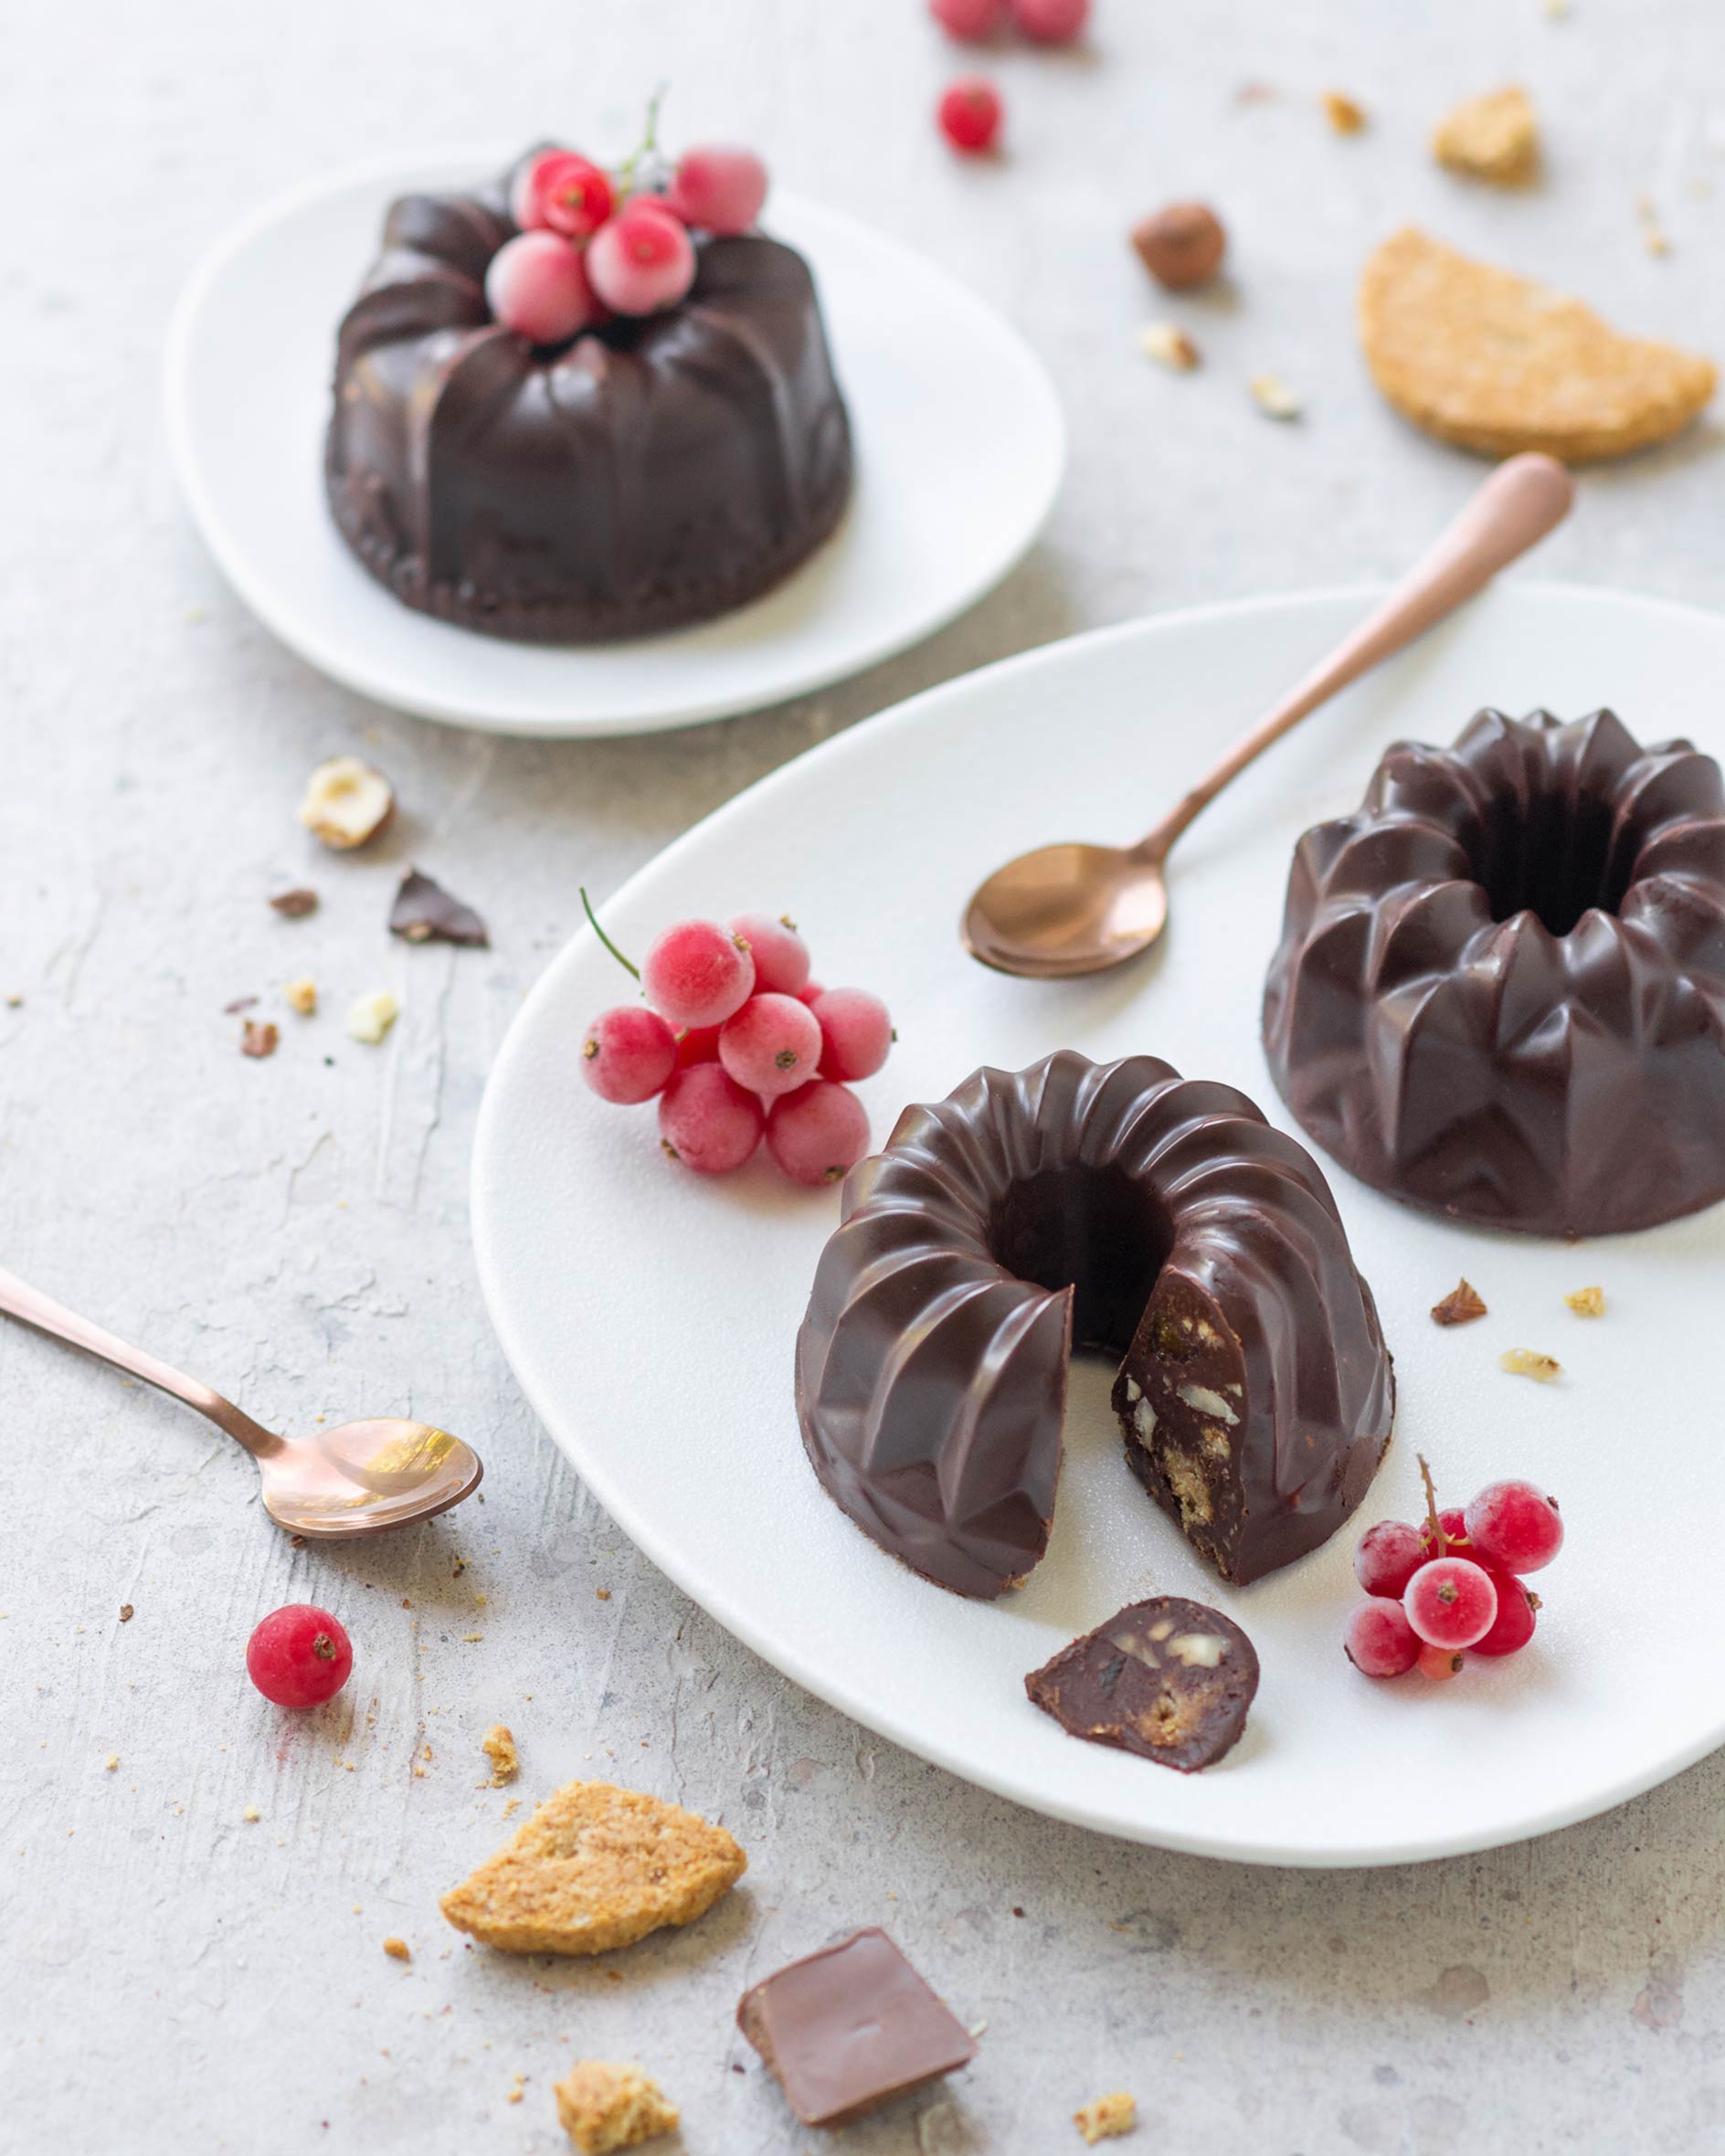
[
  {"x": 398, "y": 1949},
  {"x": 1107, "y": 2118},
  {"x": 499, "y": 1747},
  {"x": 603, "y": 2106}
]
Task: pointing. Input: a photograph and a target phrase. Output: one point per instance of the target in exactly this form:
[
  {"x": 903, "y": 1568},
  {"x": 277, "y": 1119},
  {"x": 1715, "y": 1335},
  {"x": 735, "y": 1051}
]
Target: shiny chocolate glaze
[
  {"x": 1157, "y": 1218},
  {"x": 1500, "y": 988}
]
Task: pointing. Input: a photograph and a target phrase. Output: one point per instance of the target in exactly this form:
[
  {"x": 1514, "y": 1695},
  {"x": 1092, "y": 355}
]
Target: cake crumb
[
  {"x": 1587, "y": 1302},
  {"x": 1107, "y": 2118},
  {"x": 1274, "y": 399},
  {"x": 517, "y": 2090},
  {"x": 1344, "y": 115},
  {"x": 603, "y": 1593},
  {"x": 499, "y": 1747},
  {"x": 602, "y": 2106},
  {"x": 512, "y": 1806},
  {"x": 1169, "y": 346},
  {"x": 1493, "y": 138},
  {"x": 1528, "y": 1362},
  {"x": 397, "y": 1948},
  {"x": 251, "y": 1814},
  {"x": 1460, "y": 1307}
]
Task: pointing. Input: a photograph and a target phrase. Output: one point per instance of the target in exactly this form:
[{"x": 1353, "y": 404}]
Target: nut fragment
[
  {"x": 1493, "y": 138},
  {"x": 1587, "y": 1302},
  {"x": 302, "y": 995},
  {"x": 1181, "y": 246},
  {"x": 295, "y": 904},
  {"x": 1274, "y": 399},
  {"x": 369, "y": 1018},
  {"x": 398, "y": 1949},
  {"x": 1528, "y": 1362},
  {"x": 1343, "y": 114},
  {"x": 1462, "y": 1303},
  {"x": 1105, "y": 2117},
  {"x": 1169, "y": 346},
  {"x": 499, "y": 1747},
  {"x": 259, "y": 1040},
  {"x": 125, "y": 1613},
  {"x": 346, "y": 803}
]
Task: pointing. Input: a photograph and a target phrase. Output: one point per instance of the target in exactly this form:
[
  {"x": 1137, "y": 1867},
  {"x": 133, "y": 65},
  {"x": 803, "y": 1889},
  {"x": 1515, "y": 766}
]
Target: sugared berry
[
  {"x": 628, "y": 1054},
  {"x": 1378, "y": 1641},
  {"x": 855, "y": 1033},
  {"x": 1051, "y": 22},
  {"x": 1388, "y": 1557},
  {"x": 781, "y": 956},
  {"x": 640, "y": 261},
  {"x": 298, "y": 1656},
  {"x": 970, "y": 114},
  {"x": 969, "y": 20},
  {"x": 818, "y": 1134},
  {"x": 537, "y": 286},
  {"x": 1440, "y": 1663},
  {"x": 697, "y": 1044},
  {"x": 1451, "y": 1601},
  {"x": 698, "y": 974},
  {"x": 1513, "y": 1626},
  {"x": 708, "y": 1121},
  {"x": 772, "y": 1045},
  {"x": 560, "y": 191},
  {"x": 1456, "y": 1542},
  {"x": 1515, "y": 1526},
  {"x": 719, "y": 188},
  {"x": 810, "y": 993}
]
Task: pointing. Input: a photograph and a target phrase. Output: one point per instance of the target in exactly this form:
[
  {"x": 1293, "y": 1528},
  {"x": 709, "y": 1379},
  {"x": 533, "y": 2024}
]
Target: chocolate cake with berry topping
[
  {"x": 570, "y": 406},
  {"x": 1500, "y": 988},
  {"x": 1119, "y": 1207}
]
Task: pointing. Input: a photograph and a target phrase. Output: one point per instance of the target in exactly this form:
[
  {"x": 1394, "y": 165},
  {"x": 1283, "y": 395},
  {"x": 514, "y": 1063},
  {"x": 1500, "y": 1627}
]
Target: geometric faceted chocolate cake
[
  {"x": 1118, "y": 1207},
  {"x": 650, "y": 473},
  {"x": 1500, "y": 988}
]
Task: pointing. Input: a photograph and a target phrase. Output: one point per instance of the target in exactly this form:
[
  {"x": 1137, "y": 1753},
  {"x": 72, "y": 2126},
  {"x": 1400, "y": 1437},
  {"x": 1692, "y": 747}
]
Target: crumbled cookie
[
  {"x": 398, "y": 1949},
  {"x": 1107, "y": 2118},
  {"x": 1463, "y": 1303},
  {"x": 1528, "y": 1362},
  {"x": 1344, "y": 114},
  {"x": 499, "y": 1747},
  {"x": 596, "y": 1867},
  {"x": 1494, "y": 137},
  {"x": 1587, "y": 1302},
  {"x": 1496, "y": 363},
  {"x": 603, "y": 2106},
  {"x": 301, "y": 996}
]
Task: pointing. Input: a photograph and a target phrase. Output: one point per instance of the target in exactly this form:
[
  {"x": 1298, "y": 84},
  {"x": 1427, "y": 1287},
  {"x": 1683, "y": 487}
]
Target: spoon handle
[
  {"x": 1524, "y": 498},
  {"x": 19, "y": 1299}
]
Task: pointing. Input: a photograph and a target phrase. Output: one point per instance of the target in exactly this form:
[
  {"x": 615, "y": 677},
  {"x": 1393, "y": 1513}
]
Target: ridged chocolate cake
[
  {"x": 649, "y": 473},
  {"x": 1155, "y": 1219},
  {"x": 1500, "y": 989}
]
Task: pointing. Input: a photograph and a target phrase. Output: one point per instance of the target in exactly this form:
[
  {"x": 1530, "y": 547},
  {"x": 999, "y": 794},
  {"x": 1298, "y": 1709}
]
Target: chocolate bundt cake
[
  {"x": 1500, "y": 988},
  {"x": 649, "y": 473},
  {"x": 1157, "y": 1218}
]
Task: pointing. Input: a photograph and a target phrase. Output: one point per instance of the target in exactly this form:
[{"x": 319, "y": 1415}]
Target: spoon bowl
[
  {"x": 1066, "y": 910},
  {"x": 365, "y": 1476}
]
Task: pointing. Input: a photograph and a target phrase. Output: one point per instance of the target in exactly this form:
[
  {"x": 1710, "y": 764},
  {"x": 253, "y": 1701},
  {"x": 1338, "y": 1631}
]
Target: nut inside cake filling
[{"x": 1551, "y": 854}]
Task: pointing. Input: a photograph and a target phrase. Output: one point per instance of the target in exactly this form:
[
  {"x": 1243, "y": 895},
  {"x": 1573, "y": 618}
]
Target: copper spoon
[
  {"x": 355, "y": 1480},
  {"x": 1073, "y": 909}
]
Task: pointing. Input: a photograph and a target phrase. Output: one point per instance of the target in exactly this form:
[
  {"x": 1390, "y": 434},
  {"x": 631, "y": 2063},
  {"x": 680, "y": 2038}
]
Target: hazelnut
[
  {"x": 369, "y": 1018},
  {"x": 1169, "y": 346},
  {"x": 1181, "y": 246},
  {"x": 346, "y": 803}
]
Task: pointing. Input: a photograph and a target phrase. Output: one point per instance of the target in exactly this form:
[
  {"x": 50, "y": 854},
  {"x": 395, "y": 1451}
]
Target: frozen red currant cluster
[
  {"x": 1454, "y": 1587},
  {"x": 594, "y": 244},
  {"x": 970, "y": 111},
  {"x": 736, "y": 1042}
]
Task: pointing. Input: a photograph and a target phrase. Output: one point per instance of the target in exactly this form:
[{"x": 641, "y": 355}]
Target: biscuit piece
[
  {"x": 596, "y": 1867},
  {"x": 1494, "y": 137},
  {"x": 499, "y": 1745},
  {"x": 1495, "y": 362},
  {"x": 1107, "y": 2118},
  {"x": 602, "y": 2106}
]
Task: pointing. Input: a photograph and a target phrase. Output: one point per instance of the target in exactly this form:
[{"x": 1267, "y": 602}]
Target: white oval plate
[
  {"x": 651, "y": 1315},
  {"x": 960, "y": 440}
]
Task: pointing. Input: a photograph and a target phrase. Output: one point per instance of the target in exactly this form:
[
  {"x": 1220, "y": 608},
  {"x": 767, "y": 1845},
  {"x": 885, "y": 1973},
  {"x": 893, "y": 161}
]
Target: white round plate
[
  {"x": 960, "y": 446},
  {"x": 651, "y": 1315}
]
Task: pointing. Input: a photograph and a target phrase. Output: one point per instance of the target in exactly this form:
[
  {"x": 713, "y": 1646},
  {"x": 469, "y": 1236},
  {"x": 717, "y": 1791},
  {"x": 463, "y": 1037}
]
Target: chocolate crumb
[
  {"x": 259, "y": 1040},
  {"x": 1461, "y": 1305},
  {"x": 425, "y": 913},
  {"x": 295, "y": 904}
]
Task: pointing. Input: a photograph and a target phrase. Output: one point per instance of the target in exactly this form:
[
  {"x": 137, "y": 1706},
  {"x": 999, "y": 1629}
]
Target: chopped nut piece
[
  {"x": 239, "y": 1004},
  {"x": 499, "y": 1747},
  {"x": 1181, "y": 246},
  {"x": 1169, "y": 346},
  {"x": 1587, "y": 1302},
  {"x": 260, "y": 1038},
  {"x": 369, "y": 1018},
  {"x": 113, "y": 1761},
  {"x": 398, "y": 1949},
  {"x": 125, "y": 1613},
  {"x": 346, "y": 803},
  {"x": 1493, "y": 138},
  {"x": 1274, "y": 398},
  {"x": 295, "y": 904},
  {"x": 1462, "y": 1303},
  {"x": 1528, "y": 1362},
  {"x": 516, "y": 2090},
  {"x": 602, "y": 2106},
  {"x": 602, "y": 1594},
  {"x": 1107, "y": 2118},
  {"x": 302, "y": 995},
  {"x": 251, "y": 1814},
  {"x": 1343, "y": 114},
  {"x": 424, "y": 910}
]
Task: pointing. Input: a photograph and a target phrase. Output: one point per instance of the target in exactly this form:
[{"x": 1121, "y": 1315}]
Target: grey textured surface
[{"x": 177, "y": 1978}]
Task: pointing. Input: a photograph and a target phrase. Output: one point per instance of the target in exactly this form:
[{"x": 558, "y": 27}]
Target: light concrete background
[{"x": 178, "y": 1978}]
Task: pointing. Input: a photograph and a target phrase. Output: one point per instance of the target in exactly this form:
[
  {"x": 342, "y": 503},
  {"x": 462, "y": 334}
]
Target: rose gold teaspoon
[
  {"x": 1073, "y": 909},
  {"x": 357, "y": 1480}
]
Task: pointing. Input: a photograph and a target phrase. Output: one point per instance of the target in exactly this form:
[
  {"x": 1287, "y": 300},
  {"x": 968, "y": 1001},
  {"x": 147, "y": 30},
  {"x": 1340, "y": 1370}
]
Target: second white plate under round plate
[
  {"x": 960, "y": 440},
  {"x": 651, "y": 1315}
]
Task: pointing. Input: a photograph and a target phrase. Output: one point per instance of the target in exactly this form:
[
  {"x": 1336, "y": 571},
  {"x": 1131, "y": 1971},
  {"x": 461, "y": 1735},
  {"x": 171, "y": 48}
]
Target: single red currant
[
  {"x": 298, "y": 1656},
  {"x": 1051, "y": 22},
  {"x": 809, "y": 992},
  {"x": 818, "y": 1134},
  {"x": 640, "y": 261},
  {"x": 559, "y": 191},
  {"x": 781, "y": 956},
  {"x": 1378, "y": 1641},
  {"x": 856, "y": 1033},
  {"x": 708, "y": 1121},
  {"x": 536, "y": 285},
  {"x": 969, "y": 20},
  {"x": 1440, "y": 1663},
  {"x": 718, "y": 188},
  {"x": 628, "y": 1054},
  {"x": 698, "y": 974},
  {"x": 772, "y": 1045},
  {"x": 1451, "y": 1601},
  {"x": 1388, "y": 1557},
  {"x": 1456, "y": 1542},
  {"x": 1514, "y": 1524},
  {"x": 1513, "y": 1626},
  {"x": 971, "y": 114},
  {"x": 697, "y": 1044}
]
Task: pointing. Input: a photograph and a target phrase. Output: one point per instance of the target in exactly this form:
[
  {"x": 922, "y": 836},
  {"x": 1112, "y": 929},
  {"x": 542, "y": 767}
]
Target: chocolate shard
[
  {"x": 1460, "y": 1307},
  {"x": 295, "y": 904},
  {"x": 425, "y": 913},
  {"x": 1169, "y": 1680},
  {"x": 848, "y": 2028}
]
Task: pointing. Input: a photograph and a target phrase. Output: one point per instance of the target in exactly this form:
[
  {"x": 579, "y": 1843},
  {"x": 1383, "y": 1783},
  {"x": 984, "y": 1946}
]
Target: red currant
[
  {"x": 298, "y": 1656},
  {"x": 719, "y": 188},
  {"x": 640, "y": 261},
  {"x": 628, "y": 1054},
  {"x": 1051, "y": 22},
  {"x": 971, "y": 114},
  {"x": 818, "y": 1134},
  {"x": 698, "y": 974},
  {"x": 560, "y": 191},
  {"x": 969, "y": 20},
  {"x": 1378, "y": 1641},
  {"x": 1388, "y": 1557},
  {"x": 536, "y": 285},
  {"x": 1515, "y": 1526},
  {"x": 809, "y": 992},
  {"x": 1451, "y": 1601},
  {"x": 1513, "y": 1626},
  {"x": 1456, "y": 1542},
  {"x": 781, "y": 956},
  {"x": 708, "y": 1121},
  {"x": 1440, "y": 1663},
  {"x": 772, "y": 1045},
  {"x": 856, "y": 1034},
  {"x": 697, "y": 1044}
]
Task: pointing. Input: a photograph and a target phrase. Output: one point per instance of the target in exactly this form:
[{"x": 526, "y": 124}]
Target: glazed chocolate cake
[
  {"x": 1500, "y": 988},
  {"x": 652, "y": 472},
  {"x": 1119, "y": 1207}
]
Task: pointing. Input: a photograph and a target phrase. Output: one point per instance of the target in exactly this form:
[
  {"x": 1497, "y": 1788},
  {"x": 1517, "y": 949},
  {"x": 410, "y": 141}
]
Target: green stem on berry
[
  {"x": 593, "y": 920},
  {"x": 648, "y": 144},
  {"x": 1440, "y": 1541}
]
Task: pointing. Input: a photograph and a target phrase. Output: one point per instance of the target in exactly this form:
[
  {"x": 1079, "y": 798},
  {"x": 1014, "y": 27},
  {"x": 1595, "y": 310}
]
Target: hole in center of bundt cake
[
  {"x": 1552, "y": 855},
  {"x": 1094, "y": 1230}
]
